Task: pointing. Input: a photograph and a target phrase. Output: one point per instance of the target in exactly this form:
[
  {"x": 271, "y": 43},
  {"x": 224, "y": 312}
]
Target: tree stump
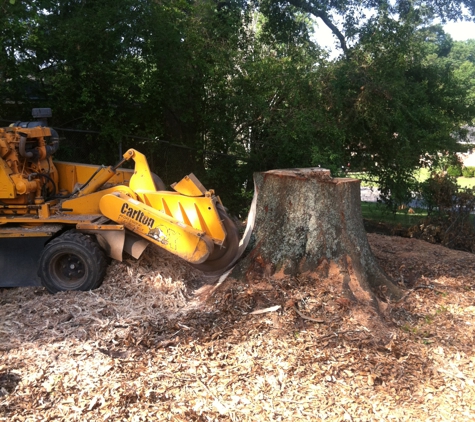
[{"x": 309, "y": 224}]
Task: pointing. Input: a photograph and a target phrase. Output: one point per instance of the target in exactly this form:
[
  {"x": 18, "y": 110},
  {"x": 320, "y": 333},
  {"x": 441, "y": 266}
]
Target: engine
[{"x": 27, "y": 173}]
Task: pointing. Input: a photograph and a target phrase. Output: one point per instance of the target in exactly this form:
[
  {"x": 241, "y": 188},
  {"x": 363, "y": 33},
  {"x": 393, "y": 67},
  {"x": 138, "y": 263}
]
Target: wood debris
[
  {"x": 265, "y": 310},
  {"x": 142, "y": 347}
]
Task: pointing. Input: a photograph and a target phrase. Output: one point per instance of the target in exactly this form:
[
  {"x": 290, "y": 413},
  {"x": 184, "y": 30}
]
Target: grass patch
[
  {"x": 379, "y": 213},
  {"x": 423, "y": 174},
  {"x": 420, "y": 175},
  {"x": 466, "y": 182}
]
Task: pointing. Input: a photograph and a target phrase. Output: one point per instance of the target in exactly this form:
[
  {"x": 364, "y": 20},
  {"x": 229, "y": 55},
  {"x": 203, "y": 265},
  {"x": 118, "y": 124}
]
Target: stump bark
[{"x": 308, "y": 223}]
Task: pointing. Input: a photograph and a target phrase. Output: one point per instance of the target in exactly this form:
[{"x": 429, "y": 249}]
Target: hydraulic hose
[{"x": 46, "y": 177}]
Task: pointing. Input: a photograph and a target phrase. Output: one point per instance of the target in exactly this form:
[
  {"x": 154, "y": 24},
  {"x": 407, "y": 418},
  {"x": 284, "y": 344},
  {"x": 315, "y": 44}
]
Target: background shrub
[
  {"x": 468, "y": 171},
  {"x": 454, "y": 171},
  {"x": 449, "y": 211}
]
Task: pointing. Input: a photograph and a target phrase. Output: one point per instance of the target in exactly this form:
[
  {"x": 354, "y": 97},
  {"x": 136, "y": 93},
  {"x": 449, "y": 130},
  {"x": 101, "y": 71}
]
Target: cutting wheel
[{"x": 222, "y": 257}]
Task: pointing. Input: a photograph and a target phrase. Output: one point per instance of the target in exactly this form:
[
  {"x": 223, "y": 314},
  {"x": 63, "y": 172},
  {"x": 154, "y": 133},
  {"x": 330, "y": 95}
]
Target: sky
[{"x": 460, "y": 31}]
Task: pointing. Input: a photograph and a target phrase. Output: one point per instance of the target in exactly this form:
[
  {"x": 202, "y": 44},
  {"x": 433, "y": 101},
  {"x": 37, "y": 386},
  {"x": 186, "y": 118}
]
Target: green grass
[
  {"x": 466, "y": 182},
  {"x": 420, "y": 175},
  {"x": 463, "y": 182},
  {"x": 379, "y": 213}
]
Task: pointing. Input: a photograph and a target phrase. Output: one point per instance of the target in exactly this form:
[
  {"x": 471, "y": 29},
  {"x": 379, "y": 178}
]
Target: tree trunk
[{"x": 309, "y": 224}]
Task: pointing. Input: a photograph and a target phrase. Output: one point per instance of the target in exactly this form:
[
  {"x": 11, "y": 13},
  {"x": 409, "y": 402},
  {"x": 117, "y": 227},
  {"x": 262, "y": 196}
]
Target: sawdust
[{"x": 143, "y": 347}]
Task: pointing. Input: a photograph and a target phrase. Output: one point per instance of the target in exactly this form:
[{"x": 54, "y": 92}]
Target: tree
[
  {"x": 309, "y": 225},
  {"x": 239, "y": 87},
  {"x": 81, "y": 59},
  {"x": 462, "y": 58},
  {"x": 400, "y": 104},
  {"x": 122, "y": 68},
  {"x": 17, "y": 56},
  {"x": 347, "y": 19},
  {"x": 392, "y": 96}
]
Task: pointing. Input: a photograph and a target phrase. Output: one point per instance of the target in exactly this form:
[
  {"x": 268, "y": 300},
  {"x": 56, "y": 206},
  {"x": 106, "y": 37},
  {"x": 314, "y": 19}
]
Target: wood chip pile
[{"x": 143, "y": 347}]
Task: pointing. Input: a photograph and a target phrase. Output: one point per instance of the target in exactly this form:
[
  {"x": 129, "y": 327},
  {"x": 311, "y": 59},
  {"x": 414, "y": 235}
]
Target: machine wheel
[
  {"x": 159, "y": 185},
  {"x": 72, "y": 261},
  {"x": 222, "y": 258}
]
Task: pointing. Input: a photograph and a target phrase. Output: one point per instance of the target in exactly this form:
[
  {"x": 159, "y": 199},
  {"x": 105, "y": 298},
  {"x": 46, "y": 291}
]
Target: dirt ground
[{"x": 146, "y": 346}]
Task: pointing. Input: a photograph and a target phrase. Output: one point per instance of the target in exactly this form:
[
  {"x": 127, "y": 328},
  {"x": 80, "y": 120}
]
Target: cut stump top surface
[{"x": 309, "y": 173}]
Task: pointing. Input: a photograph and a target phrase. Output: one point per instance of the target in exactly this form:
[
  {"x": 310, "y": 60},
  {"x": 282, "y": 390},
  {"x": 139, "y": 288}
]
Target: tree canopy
[{"x": 244, "y": 86}]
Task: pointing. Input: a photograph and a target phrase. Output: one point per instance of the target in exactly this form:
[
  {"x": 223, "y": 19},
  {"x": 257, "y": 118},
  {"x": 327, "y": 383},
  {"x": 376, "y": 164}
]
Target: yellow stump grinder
[{"x": 60, "y": 221}]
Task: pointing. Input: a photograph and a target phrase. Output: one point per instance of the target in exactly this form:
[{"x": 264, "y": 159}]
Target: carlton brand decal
[{"x": 137, "y": 215}]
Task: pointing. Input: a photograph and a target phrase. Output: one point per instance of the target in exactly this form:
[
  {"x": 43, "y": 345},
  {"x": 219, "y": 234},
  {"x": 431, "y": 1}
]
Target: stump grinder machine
[{"x": 60, "y": 222}]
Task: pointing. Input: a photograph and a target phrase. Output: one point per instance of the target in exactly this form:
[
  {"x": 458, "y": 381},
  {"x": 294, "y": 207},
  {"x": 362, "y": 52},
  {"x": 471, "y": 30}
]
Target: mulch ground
[{"x": 145, "y": 346}]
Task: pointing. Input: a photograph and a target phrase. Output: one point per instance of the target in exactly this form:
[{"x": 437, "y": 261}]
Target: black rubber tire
[
  {"x": 222, "y": 258},
  {"x": 72, "y": 261}
]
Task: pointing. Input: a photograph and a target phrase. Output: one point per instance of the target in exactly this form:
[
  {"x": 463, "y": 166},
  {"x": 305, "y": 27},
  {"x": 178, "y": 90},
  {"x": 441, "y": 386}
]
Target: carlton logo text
[{"x": 137, "y": 215}]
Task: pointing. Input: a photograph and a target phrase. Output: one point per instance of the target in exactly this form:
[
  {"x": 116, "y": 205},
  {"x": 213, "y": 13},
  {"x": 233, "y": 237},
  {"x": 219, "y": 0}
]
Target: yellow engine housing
[{"x": 27, "y": 171}]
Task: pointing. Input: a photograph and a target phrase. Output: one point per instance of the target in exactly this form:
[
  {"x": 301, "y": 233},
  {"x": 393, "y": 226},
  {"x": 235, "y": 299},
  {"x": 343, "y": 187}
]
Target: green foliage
[
  {"x": 454, "y": 170},
  {"x": 449, "y": 212},
  {"x": 438, "y": 192},
  {"x": 462, "y": 58},
  {"x": 468, "y": 171},
  {"x": 392, "y": 105},
  {"x": 241, "y": 87}
]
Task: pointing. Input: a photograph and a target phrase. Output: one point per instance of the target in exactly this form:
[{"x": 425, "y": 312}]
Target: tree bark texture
[{"x": 308, "y": 223}]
